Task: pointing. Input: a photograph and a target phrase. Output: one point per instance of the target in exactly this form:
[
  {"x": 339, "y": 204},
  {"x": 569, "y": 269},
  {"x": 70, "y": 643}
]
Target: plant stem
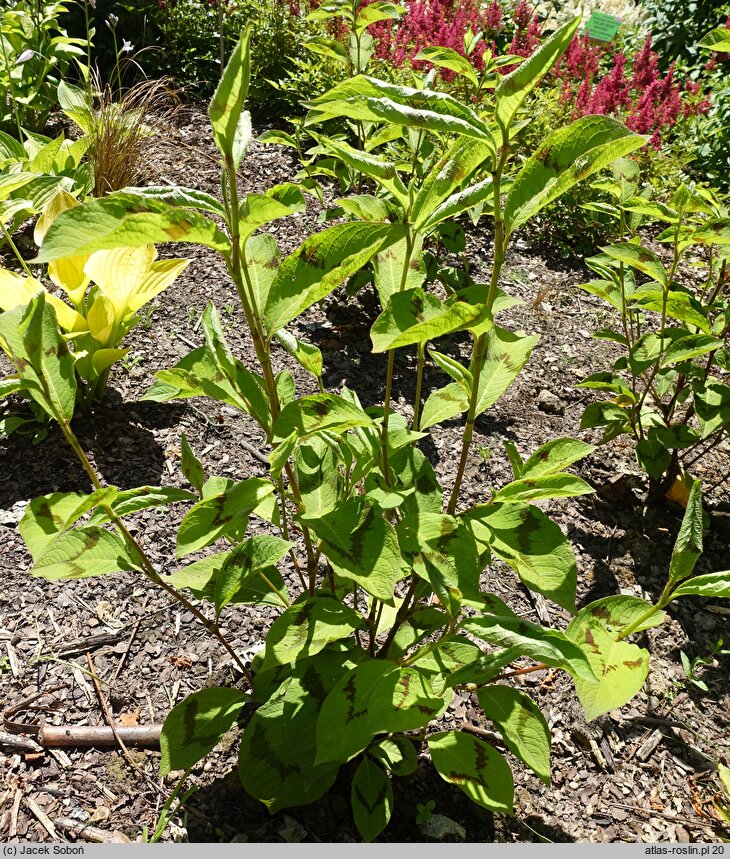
[
  {"x": 146, "y": 564},
  {"x": 14, "y": 249},
  {"x": 419, "y": 382},
  {"x": 480, "y": 349},
  {"x": 400, "y": 617},
  {"x": 391, "y": 364},
  {"x": 664, "y": 598}
]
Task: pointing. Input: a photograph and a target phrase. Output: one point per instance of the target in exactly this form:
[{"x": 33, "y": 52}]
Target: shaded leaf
[
  {"x": 196, "y": 725},
  {"x": 475, "y": 767}
]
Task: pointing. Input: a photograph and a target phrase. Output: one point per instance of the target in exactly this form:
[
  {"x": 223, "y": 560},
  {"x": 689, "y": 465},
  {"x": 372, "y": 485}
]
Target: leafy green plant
[
  {"x": 381, "y": 615},
  {"x": 425, "y": 811},
  {"x": 31, "y": 172},
  {"x": 96, "y": 319},
  {"x": 668, "y": 389},
  {"x": 35, "y": 53},
  {"x": 693, "y": 667}
]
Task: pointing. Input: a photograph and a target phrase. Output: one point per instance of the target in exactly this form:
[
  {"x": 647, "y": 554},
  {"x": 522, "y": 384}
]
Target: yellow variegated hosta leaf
[
  {"x": 160, "y": 276},
  {"x": 120, "y": 272},
  {"x": 69, "y": 274},
  {"x": 59, "y": 202},
  {"x": 16, "y": 290},
  {"x": 68, "y": 318},
  {"x": 104, "y": 358},
  {"x": 101, "y": 318}
]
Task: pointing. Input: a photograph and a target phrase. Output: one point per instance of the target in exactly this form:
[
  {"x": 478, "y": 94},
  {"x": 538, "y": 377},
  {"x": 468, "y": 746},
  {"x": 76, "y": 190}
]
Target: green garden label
[{"x": 602, "y": 27}]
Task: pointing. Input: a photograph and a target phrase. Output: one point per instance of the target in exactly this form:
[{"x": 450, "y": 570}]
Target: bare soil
[{"x": 643, "y": 773}]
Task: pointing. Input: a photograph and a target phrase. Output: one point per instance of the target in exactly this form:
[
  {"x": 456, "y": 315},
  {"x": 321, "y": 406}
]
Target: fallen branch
[{"x": 99, "y": 736}]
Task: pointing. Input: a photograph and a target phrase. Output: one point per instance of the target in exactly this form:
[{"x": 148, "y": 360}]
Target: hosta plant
[
  {"x": 104, "y": 292},
  {"x": 32, "y": 172},
  {"x": 669, "y": 389},
  {"x": 374, "y": 568}
]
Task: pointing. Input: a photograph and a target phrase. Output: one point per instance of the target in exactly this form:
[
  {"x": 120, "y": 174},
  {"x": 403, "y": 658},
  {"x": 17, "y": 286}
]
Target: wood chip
[
  {"x": 12, "y": 659},
  {"x": 647, "y": 748},
  {"x": 43, "y": 818}
]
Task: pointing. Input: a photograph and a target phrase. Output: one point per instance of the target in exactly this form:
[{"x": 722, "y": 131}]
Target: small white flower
[
  {"x": 127, "y": 46},
  {"x": 92, "y": 3},
  {"x": 24, "y": 57}
]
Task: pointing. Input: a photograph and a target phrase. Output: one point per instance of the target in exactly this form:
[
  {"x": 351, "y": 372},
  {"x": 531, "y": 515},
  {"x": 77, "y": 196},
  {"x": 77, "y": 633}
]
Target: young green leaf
[
  {"x": 620, "y": 668},
  {"x": 533, "y": 545},
  {"x": 484, "y": 668},
  {"x": 688, "y": 546},
  {"x": 371, "y": 100},
  {"x": 250, "y": 559},
  {"x": 257, "y": 210},
  {"x": 316, "y": 413},
  {"x": 318, "y": 476},
  {"x": 555, "y": 456},
  {"x": 177, "y": 196},
  {"x": 306, "y": 355},
  {"x": 397, "y": 754},
  {"x": 44, "y": 362},
  {"x": 192, "y": 467},
  {"x": 475, "y": 767},
  {"x": 371, "y": 797},
  {"x": 448, "y": 58},
  {"x": 638, "y": 257},
  {"x": 521, "y": 724},
  {"x": 514, "y": 88},
  {"x": 46, "y": 517},
  {"x": 415, "y": 316},
  {"x": 541, "y": 644},
  {"x": 507, "y": 354},
  {"x": 262, "y": 260},
  {"x": 444, "y": 404},
  {"x": 714, "y": 585},
  {"x": 227, "y": 117},
  {"x": 307, "y": 627},
  {"x": 276, "y": 762},
  {"x": 196, "y": 725},
  {"x": 388, "y": 269},
  {"x": 546, "y": 486}
]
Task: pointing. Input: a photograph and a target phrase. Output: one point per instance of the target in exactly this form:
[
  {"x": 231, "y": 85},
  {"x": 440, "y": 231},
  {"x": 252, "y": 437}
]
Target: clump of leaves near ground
[{"x": 375, "y": 568}]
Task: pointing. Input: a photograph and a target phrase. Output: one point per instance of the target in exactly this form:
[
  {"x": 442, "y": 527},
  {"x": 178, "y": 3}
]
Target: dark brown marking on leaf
[
  {"x": 320, "y": 408},
  {"x": 91, "y": 539},
  {"x": 351, "y": 694},
  {"x": 590, "y": 640},
  {"x": 190, "y": 712},
  {"x": 311, "y": 256},
  {"x": 633, "y": 663},
  {"x": 378, "y": 799}
]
